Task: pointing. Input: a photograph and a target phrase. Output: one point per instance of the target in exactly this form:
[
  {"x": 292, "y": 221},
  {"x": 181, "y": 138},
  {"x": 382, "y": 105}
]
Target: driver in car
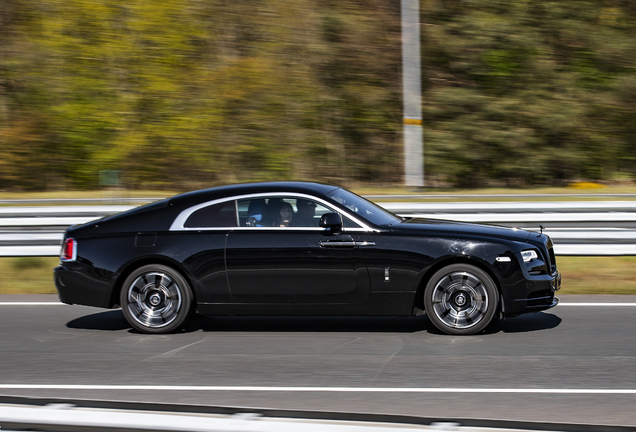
[{"x": 305, "y": 215}]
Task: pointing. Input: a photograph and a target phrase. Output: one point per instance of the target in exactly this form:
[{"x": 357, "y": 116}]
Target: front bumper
[{"x": 539, "y": 294}]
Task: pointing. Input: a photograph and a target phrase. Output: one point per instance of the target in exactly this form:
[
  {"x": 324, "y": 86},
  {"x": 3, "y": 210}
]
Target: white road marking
[
  {"x": 598, "y": 304},
  {"x": 31, "y": 303},
  {"x": 315, "y": 389},
  {"x": 560, "y": 304}
]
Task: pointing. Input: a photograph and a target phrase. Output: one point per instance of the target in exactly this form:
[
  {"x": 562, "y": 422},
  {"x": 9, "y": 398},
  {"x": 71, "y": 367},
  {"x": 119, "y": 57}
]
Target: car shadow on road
[
  {"x": 114, "y": 320},
  {"x": 309, "y": 324},
  {"x": 524, "y": 323}
]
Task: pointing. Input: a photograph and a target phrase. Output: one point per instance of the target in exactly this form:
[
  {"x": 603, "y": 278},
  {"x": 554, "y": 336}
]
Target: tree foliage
[
  {"x": 188, "y": 93},
  {"x": 529, "y": 91}
]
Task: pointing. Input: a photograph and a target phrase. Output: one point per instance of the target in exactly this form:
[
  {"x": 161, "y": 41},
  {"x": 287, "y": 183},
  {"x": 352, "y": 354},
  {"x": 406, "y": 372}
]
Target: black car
[{"x": 292, "y": 248}]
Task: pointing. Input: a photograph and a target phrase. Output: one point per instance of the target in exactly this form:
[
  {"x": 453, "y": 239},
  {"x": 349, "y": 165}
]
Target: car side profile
[{"x": 296, "y": 248}]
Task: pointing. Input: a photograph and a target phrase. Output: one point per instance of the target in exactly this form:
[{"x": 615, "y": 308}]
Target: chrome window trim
[
  {"x": 228, "y": 229},
  {"x": 180, "y": 220}
]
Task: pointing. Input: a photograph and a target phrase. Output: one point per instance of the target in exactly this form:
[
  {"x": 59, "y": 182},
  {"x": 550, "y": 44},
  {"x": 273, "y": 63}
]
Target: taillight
[{"x": 69, "y": 250}]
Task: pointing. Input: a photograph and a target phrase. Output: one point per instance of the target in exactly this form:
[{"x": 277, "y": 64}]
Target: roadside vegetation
[
  {"x": 581, "y": 275},
  {"x": 182, "y": 94}
]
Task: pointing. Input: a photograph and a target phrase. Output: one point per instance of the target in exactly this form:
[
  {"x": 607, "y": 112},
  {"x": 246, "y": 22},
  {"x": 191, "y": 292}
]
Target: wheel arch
[
  {"x": 132, "y": 266},
  {"x": 418, "y": 301}
]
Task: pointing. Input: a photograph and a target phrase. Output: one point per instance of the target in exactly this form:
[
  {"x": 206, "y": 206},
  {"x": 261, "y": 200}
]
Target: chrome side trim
[
  {"x": 533, "y": 299},
  {"x": 228, "y": 229},
  {"x": 555, "y": 302},
  {"x": 365, "y": 243}
]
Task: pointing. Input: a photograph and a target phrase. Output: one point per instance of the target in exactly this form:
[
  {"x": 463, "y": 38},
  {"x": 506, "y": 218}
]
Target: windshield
[{"x": 366, "y": 209}]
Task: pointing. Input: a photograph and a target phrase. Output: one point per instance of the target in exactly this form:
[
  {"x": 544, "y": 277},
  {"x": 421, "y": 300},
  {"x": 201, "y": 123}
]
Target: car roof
[{"x": 199, "y": 196}]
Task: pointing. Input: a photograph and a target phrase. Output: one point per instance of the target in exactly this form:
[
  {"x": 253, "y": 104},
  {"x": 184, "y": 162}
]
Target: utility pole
[{"x": 412, "y": 95}]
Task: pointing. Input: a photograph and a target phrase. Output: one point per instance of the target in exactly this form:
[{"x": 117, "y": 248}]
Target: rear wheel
[
  {"x": 461, "y": 299},
  {"x": 156, "y": 299}
]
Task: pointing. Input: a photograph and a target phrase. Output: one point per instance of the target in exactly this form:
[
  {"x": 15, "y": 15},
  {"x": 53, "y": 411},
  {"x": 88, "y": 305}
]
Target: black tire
[
  {"x": 156, "y": 299},
  {"x": 461, "y": 299}
]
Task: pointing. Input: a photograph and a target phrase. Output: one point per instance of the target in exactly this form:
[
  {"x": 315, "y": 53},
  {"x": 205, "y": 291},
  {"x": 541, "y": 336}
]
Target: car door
[{"x": 270, "y": 263}]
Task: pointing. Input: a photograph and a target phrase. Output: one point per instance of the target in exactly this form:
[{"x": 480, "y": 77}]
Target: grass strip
[
  {"x": 581, "y": 275},
  {"x": 27, "y": 275},
  {"x": 598, "y": 275}
]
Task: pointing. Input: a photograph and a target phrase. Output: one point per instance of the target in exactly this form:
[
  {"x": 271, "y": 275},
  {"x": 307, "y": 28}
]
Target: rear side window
[{"x": 214, "y": 216}]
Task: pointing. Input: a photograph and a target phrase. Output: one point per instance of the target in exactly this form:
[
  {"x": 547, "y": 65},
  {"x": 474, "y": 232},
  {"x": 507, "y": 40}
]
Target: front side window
[
  {"x": 214, "y": 216},
  {"x": 283, "y": 211}
]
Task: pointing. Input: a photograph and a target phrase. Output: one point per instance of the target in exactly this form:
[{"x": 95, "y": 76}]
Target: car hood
[{"x": 446, "y": 227}]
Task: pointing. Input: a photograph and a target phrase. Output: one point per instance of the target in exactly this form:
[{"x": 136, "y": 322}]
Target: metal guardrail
[
  {"x": 576, "y": 227},
  {"x": 517, "y": 196},
  {"x": 27, "y": 413},
  {"x": 63, "y": 417}
]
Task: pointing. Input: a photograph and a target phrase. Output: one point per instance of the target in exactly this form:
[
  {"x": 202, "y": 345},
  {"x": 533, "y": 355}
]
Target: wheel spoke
[
  {"x": 136, "y": 311},
  {"x": 173, "y": 292},
  {"x": 445, "y": 283},
  {"x": 133, "y": 297}
]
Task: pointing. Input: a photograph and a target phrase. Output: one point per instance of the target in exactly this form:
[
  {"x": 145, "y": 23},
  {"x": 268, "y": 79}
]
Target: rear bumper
[{"x": 76, "y": 287}]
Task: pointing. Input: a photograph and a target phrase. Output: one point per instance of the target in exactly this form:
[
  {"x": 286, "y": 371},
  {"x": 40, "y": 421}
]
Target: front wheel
[
  {"x": 461, "y": 299},
  {"x": 156, "y": 299}
]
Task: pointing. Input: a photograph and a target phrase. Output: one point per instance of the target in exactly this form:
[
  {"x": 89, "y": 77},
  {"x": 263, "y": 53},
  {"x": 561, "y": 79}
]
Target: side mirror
[{"x": 333, "y": 221}]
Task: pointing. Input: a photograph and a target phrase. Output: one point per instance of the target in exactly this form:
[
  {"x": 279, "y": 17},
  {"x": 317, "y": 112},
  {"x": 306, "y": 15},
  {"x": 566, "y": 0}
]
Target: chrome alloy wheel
[
  {"x": 460, "y": 300},
  {"x": 154, "y": 300}
]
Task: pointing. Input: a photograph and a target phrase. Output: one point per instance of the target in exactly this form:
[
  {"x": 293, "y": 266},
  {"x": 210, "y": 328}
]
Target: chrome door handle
[
  {"x": 345, "y": 243},
  {"x": 337, "y": 243}
]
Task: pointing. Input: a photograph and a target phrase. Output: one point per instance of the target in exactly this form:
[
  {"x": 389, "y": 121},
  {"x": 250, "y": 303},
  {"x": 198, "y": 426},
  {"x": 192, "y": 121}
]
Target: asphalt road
[{"x": 572, "y": 364}]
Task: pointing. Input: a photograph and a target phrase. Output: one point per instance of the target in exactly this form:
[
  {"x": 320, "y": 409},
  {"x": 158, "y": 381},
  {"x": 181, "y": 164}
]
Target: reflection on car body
[{"x": 226, "y": 251}]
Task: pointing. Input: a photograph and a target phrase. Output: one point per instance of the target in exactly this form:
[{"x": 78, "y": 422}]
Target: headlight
[{"x": 529, "y": 255}]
